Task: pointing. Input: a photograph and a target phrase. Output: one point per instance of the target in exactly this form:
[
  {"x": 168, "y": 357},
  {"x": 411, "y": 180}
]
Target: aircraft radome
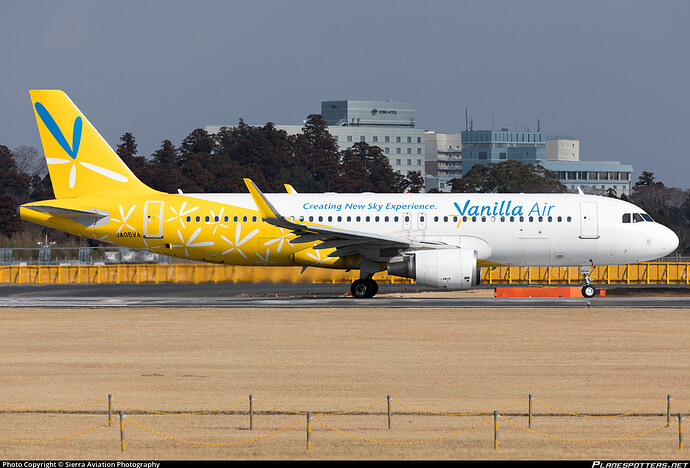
[{"x": 439, "y": 240}]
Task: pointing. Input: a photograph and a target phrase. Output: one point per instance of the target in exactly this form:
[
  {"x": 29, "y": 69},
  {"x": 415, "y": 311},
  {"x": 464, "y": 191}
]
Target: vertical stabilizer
[{"x": 80, "y": 161}]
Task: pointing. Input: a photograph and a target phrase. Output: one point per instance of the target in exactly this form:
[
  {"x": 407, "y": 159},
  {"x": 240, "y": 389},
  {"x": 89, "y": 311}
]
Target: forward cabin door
[
  {"x": 589, "y": 220},
  {"x": 153, "y": 219}
]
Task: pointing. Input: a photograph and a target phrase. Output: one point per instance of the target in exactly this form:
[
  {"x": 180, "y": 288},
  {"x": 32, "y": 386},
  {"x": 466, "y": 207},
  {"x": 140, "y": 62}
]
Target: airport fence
[
  {"x": 649, "y": 273},
  {"x": 509, "y": 414}
]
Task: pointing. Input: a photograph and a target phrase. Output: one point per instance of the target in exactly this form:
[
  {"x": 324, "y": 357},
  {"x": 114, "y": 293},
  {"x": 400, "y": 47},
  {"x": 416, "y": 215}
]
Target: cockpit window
[{"x": 637, "y": 218}]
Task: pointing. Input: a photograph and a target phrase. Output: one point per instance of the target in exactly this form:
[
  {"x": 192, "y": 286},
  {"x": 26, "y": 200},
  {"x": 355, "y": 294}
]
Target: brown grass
[{"x": 595, "y": 361}]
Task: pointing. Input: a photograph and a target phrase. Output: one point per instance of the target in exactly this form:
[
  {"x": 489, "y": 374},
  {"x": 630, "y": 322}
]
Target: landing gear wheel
[
  {"x": 588, "y": 291},
  {"x": 362, "y": 288}
]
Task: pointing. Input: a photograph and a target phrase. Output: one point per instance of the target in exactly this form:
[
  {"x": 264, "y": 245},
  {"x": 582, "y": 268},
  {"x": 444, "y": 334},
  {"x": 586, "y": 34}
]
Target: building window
[
  {"x": 375, "y": 139},
  {"x": 397, "y": 139},
  {"x": 349, "y": 138}
]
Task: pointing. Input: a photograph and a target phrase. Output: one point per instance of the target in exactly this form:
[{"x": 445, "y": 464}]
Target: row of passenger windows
[
  {"x": 637, "y": 218},
  {"x": 217, "y": 219},
  {"x": 437, "y": 219},
  {"x": 445, "y": 219}
]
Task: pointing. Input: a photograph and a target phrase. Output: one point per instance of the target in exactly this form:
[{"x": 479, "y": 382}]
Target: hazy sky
[{"x": 615, "y": 74}]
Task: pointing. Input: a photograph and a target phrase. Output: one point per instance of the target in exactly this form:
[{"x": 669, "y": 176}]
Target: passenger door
[{"x": 589, "y": 222}]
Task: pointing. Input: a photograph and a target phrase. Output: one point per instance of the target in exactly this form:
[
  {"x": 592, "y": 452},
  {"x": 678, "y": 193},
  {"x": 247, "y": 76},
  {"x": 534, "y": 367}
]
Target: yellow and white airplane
[{"x": 440, "y": 240}]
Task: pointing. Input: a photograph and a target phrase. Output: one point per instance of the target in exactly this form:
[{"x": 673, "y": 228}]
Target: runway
[{"x": 313, "y": 296}]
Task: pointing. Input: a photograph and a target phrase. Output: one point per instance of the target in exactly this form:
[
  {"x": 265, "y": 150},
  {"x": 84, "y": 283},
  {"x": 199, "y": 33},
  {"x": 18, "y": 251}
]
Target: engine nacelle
[{"x": 451, "y": 269}]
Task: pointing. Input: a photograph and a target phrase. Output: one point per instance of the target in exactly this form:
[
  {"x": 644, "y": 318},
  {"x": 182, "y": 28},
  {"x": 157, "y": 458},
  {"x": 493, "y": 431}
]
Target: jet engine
[{"x": 450, "y": 269}]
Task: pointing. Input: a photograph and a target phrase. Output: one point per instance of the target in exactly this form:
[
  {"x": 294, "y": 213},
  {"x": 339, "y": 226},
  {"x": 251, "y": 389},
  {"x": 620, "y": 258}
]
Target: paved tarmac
[{"x": 228, "y": 295}]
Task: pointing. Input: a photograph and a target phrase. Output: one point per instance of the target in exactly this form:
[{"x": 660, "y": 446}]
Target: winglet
[
  {"x": 267, "y": 210},
  {"x": 290, "y": 189}
]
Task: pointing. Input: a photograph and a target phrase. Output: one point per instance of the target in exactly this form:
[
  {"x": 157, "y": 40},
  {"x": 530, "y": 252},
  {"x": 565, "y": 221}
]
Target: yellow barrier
[{"x": 634, "y": 274}]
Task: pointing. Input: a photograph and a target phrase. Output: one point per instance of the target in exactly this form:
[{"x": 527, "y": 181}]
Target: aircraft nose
[{"x": 668, "y": 241}]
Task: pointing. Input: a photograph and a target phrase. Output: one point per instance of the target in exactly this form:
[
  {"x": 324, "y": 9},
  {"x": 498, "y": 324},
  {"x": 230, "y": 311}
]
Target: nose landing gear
[{"x": 587, "y": 290}]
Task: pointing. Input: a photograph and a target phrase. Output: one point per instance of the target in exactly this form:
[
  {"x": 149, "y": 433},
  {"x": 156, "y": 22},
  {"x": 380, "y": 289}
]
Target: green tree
[{"x": 508, "y": 177}]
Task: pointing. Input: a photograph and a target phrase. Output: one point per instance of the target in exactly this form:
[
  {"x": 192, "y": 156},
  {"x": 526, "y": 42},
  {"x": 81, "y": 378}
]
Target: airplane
[{"x": 440, "y": 240}]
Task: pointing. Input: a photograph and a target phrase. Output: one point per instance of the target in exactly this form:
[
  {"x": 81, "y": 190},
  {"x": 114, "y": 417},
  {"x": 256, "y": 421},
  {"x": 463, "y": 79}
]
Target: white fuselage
[{"x": 506, "y": 229}]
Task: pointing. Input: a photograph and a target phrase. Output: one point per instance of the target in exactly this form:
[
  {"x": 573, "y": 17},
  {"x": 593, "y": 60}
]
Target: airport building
[
  {"x": 558, "y": 153},
  {"x": 443, "y": 159}
]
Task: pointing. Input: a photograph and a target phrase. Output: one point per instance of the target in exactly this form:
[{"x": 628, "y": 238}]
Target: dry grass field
[{"x": 601, "y": 362}]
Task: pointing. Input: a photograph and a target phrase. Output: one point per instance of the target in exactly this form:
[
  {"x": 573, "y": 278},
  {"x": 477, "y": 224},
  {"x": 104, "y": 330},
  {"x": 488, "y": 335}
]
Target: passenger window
[
  {"x": 626, "y": 218},
  {"x": 197, "y": 219},
  {"x": 445, "y": 219},
  {"x": 560, "y": 219},
  {"x": 385, "y": 218},
  {"x": 189, "y": 218},
  {"x": 244, "y": 218},
  {"x": 234, "y": 218},
  {"x": 207, "y": 219},
  {"x": 569, "y": 219}
]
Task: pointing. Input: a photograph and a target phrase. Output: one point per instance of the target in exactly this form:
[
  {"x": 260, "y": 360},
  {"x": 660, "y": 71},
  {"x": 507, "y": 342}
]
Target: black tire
[
  {"x": 360, "y": 289},
  {"x": 363, "y": 288},
  {"x": 588, "y": 291}
]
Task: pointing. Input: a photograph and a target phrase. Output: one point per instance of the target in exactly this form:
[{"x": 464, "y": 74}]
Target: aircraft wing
[{"x": 371, "y": 245}]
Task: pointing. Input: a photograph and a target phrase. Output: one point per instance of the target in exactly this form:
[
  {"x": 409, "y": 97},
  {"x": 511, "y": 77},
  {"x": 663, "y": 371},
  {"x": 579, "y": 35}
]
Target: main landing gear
[
  {"x": 364, "y": 287},
  {"x": 587, "y": 290}
]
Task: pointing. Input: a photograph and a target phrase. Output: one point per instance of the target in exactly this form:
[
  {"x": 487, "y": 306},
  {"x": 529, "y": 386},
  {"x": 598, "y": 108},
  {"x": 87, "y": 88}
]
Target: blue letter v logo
[{"x": 57, "y": 133}]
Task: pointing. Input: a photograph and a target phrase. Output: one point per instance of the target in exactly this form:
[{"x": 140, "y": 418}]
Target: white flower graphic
[
  {"x": 123, "y": 218},
  {"x": 280, "y": 240},
  {"x": 182, "y": 213},
  {"x": 264, "y": 260},
  {"x": 216, "y": 220},
  {"x": 238, "y": 240},
  {"x": 190, "y": 242}
]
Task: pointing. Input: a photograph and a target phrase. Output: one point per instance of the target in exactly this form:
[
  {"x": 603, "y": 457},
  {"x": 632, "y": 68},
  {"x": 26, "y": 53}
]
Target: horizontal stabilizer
[{"x": 89, "y": 218}]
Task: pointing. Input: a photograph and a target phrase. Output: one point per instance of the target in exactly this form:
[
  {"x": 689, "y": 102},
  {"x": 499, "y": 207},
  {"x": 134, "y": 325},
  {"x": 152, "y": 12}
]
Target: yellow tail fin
[{"x": 79, "y": 160}]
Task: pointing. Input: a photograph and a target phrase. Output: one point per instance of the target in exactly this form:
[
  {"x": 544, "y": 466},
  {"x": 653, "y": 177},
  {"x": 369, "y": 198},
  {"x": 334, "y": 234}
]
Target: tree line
[{"x": 310, "y": 161}]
